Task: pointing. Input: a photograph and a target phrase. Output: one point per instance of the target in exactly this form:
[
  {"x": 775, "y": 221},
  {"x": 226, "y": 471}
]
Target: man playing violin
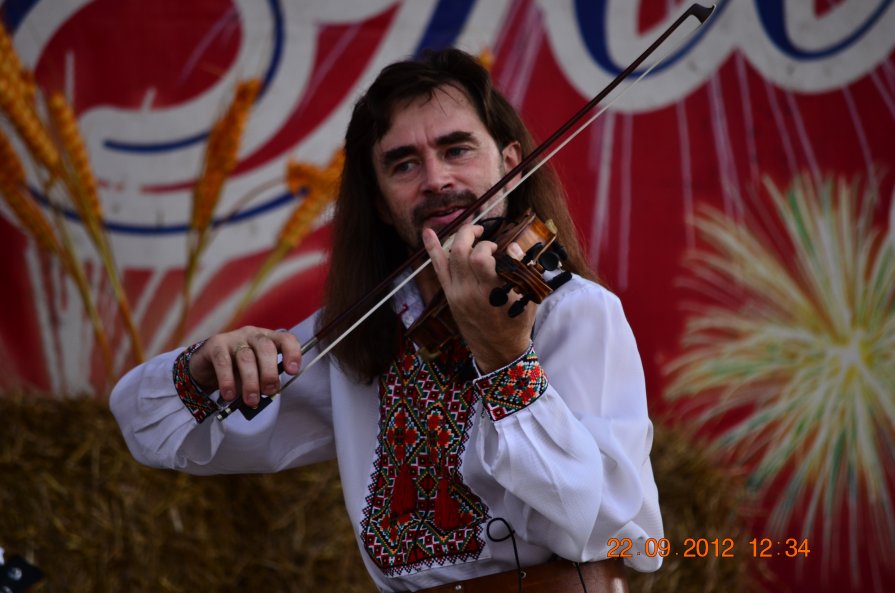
[{"x": 531, "y": 428}]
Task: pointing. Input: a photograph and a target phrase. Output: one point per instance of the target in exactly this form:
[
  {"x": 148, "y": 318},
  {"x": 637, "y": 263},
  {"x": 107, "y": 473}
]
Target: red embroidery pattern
[
  {"x": 514, "y": 387},
  {"x": 419, "y": 512},
  {"x": 192, "y": 396}
]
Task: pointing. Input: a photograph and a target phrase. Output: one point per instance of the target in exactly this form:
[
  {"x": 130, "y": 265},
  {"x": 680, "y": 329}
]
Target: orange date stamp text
[{"x": 709, "y": 547}]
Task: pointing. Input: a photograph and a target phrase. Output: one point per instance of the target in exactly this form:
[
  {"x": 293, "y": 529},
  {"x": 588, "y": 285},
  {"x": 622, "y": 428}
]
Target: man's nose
[{"x": 438, "y": 176}]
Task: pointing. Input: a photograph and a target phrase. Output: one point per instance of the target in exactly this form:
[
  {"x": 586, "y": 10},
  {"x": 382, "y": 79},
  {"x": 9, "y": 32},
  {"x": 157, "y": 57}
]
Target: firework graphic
[{"x": 794, "y": 356}]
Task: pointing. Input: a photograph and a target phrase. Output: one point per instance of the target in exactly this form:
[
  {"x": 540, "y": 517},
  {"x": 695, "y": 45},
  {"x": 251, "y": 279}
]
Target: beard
[
  {"x": 436, "y": 204},
  {"x": 444, "y": 202}
]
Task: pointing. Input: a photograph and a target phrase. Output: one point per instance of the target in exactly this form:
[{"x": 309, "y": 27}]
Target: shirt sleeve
[
  {"x": 565, "y": 432},
  {"x": 161, "y": 429}
]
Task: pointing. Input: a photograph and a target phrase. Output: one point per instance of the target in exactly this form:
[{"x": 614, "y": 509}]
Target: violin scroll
[
  {"x": 543, "y": 254},
  {"x": 533, "y": 277}
]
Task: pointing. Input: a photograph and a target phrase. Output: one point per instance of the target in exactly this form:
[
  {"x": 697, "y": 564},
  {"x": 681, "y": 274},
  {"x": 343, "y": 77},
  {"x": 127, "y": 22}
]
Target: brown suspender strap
[{"x": 557, "y": 576}]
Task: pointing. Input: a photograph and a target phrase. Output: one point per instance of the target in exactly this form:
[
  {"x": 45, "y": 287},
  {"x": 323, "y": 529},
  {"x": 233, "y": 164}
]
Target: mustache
[{"x": 440, "y": 202}]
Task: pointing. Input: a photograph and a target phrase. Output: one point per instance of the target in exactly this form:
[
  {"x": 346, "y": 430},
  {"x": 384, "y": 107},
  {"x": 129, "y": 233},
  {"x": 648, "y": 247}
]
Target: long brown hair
[{"x": 365, "y": 250}]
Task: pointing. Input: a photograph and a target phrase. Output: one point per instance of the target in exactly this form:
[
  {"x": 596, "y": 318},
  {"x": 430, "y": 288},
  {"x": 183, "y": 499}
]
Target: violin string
[{"x": 449, "y": 241}]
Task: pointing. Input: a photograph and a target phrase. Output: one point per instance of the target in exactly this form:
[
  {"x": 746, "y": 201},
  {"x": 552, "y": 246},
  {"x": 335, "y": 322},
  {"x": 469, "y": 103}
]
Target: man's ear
[{"x": 511, "y": 155}]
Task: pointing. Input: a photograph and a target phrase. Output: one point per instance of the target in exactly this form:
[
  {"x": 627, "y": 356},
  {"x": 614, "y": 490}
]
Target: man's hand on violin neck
[
  {"x": 243, "y": 362},
  {"x": 467, "y": 274}
]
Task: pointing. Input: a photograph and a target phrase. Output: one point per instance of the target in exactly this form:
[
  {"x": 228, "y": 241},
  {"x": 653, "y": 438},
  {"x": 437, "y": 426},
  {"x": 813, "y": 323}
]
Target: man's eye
[
  {"x": 456, "y": 151},
  {"x": 402, "y": 167}
]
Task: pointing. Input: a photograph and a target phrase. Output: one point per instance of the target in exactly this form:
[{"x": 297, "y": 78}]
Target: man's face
[{"x": 434, "y": 161}]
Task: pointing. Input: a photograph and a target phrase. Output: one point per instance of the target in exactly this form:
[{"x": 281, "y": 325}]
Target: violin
[
  {"x": 525, "y": 276},
  {"x": 529, "y": 289}
]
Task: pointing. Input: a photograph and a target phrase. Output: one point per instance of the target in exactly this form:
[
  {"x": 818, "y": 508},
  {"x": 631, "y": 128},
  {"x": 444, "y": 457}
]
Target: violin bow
[{"x": 390, "y": 285}]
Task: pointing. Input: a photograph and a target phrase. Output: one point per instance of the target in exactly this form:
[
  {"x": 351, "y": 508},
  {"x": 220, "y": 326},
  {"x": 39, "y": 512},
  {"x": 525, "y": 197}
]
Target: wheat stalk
[
  {"x": 77, "y": 175},
  {"x": 17, "y": 102},
  {"x": 320, "y": 185},
  {"x": 12, "y": 185},
  {"x": 219, "y": 161},
  {"x": 74, "y": 267},
  {"x": 14, "y": 188},
  {"x": 486, "y": 59},
  {"x": 18, "y": 93},
  {"x": 221, "y": 153}
]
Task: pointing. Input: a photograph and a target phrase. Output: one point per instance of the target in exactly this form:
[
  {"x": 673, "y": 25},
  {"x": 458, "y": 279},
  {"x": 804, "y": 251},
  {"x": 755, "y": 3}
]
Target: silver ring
[{"x": 241, "y": 347}]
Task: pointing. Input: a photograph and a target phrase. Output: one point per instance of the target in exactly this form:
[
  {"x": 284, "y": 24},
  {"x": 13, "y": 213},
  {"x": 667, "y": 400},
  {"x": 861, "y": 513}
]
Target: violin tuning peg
[
  {"x": 532, "y": 252},
  {"x": 517, "y": 307},
  {"x": 499, "y": 296},
  {"x": 505, "y": 264},
  {"x": 549, "y": 261},
  {"x": 560, "y": 251},
  {"x": 559, "y": 280}
]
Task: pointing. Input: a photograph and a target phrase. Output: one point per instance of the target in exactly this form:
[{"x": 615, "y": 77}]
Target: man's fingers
[
  {"x": 515, "y": 251},
  {"x": 289, "y": 347},
  {"x": 437, "y": 255},
  {"x": 244, "y": 362},
  {"x": 452, "y": 267},
  {"x": 483, "y": 264},
  {"x": 219, "y": 355},
  {"x": 265, "y": 350},
  {"x": 247, "y": 366},
  {"x": 461, "y": 248}
]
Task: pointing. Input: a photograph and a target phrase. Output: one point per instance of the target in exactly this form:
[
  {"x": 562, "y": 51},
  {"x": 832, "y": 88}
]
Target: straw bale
[
  {"x": 75, "y": 503},
  {"x": 700, "y": 499}
]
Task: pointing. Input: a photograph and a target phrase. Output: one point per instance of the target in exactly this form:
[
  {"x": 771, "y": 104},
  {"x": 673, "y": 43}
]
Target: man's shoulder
[
  {"x": 579, "y": 291},
  {"x": 579, "y": 301},
  {"x": 579, "y": 306}
]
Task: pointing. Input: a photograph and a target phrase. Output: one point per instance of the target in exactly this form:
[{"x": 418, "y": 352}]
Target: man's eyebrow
[
  {"x": 397, "y": 153},
  {"x": 454, "y": 138}
]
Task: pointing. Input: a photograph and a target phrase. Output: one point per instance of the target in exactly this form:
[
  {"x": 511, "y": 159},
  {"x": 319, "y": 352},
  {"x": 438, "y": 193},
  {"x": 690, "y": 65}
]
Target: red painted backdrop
[{"x": 738, "y": 200}]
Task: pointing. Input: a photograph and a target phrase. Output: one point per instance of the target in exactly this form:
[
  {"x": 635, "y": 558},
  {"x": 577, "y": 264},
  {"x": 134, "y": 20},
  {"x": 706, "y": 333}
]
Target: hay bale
[
  {"x": 75, "y": 503},
  {"x": 699, "y": 500}
]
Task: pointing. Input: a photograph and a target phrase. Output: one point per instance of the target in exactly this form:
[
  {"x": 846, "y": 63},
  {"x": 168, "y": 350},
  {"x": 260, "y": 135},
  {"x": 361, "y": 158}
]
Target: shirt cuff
[
  {"x": 513, "y": 387},
  {"x": 196, "y": 400}
]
